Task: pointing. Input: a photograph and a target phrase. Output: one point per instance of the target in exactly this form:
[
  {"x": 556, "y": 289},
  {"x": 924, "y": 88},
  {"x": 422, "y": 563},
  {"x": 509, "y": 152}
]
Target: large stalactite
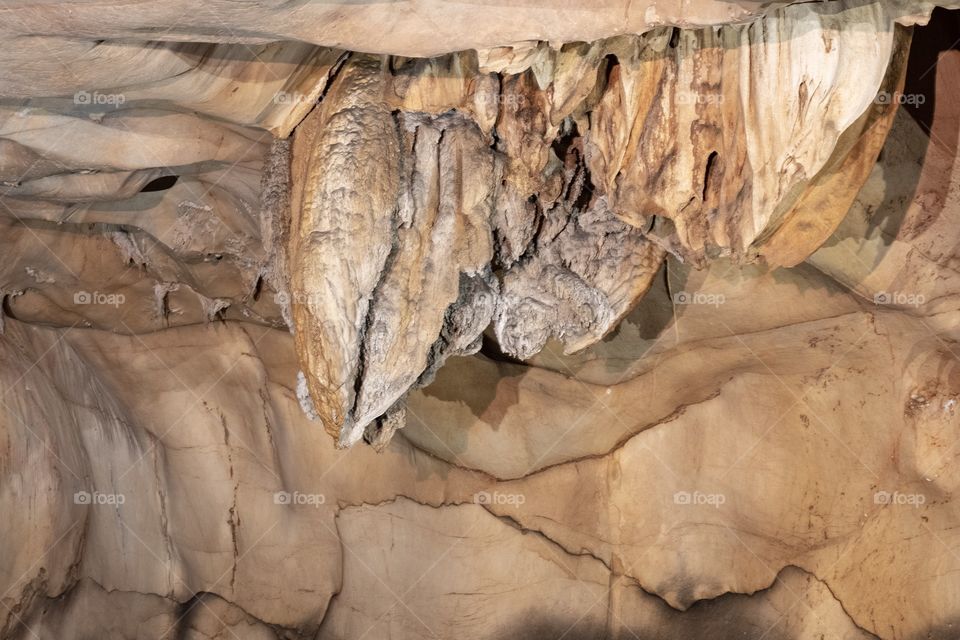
[{"x": 543, "y": 194}]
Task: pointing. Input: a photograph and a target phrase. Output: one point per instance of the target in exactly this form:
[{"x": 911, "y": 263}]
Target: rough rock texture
[
  {"x": 561, "y": 179},
  {"x": 652, "y": 330},
  {"x": 422, "y": 28}
]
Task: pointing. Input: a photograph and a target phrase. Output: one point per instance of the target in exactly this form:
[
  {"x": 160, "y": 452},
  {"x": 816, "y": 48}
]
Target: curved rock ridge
[{"x": 419, "y": 28}]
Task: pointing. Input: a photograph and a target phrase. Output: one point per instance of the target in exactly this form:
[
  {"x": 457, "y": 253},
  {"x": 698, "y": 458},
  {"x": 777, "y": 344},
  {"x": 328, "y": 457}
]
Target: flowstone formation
[
  {"x": 538, "y": 191},
  {"x": 648, "y": 314}
]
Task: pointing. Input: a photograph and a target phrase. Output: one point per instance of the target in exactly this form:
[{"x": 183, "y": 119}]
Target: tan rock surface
[{"x": 653, "y": 331}]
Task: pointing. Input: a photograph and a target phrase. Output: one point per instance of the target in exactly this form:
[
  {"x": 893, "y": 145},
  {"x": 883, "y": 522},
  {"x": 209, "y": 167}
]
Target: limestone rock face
[
  {"x": 647, "y": 312},
  {"x": 592, "y": 164}
]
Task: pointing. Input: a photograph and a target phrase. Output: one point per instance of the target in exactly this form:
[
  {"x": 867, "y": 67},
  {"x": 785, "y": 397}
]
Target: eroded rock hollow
[{"x": 410, "y": 320}]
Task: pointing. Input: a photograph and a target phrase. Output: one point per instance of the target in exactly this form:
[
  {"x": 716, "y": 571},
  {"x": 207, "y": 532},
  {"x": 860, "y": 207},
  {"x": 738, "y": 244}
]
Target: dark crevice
[
  {"x": 5, "y": 309},
  {"x": 585, "y": 196},
  {"x": 674, "y": 37},
  {"x": 257, "y": 288},
  {"x": 609, "y": 67},
  {"x": 927, "y": 45},
  {"x": 332, "y": 76},
  {"x": 491, "y": 350},
  {"x": 160, "y": 184},
  {"x": 708, "y": 174}
]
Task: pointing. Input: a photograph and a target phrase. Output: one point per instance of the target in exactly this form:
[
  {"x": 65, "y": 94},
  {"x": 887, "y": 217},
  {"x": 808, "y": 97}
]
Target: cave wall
[{"x": 756, "y": 438}]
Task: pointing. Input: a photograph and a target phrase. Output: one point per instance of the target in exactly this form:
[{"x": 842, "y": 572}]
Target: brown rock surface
[{"x": 653, "y": 331}]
